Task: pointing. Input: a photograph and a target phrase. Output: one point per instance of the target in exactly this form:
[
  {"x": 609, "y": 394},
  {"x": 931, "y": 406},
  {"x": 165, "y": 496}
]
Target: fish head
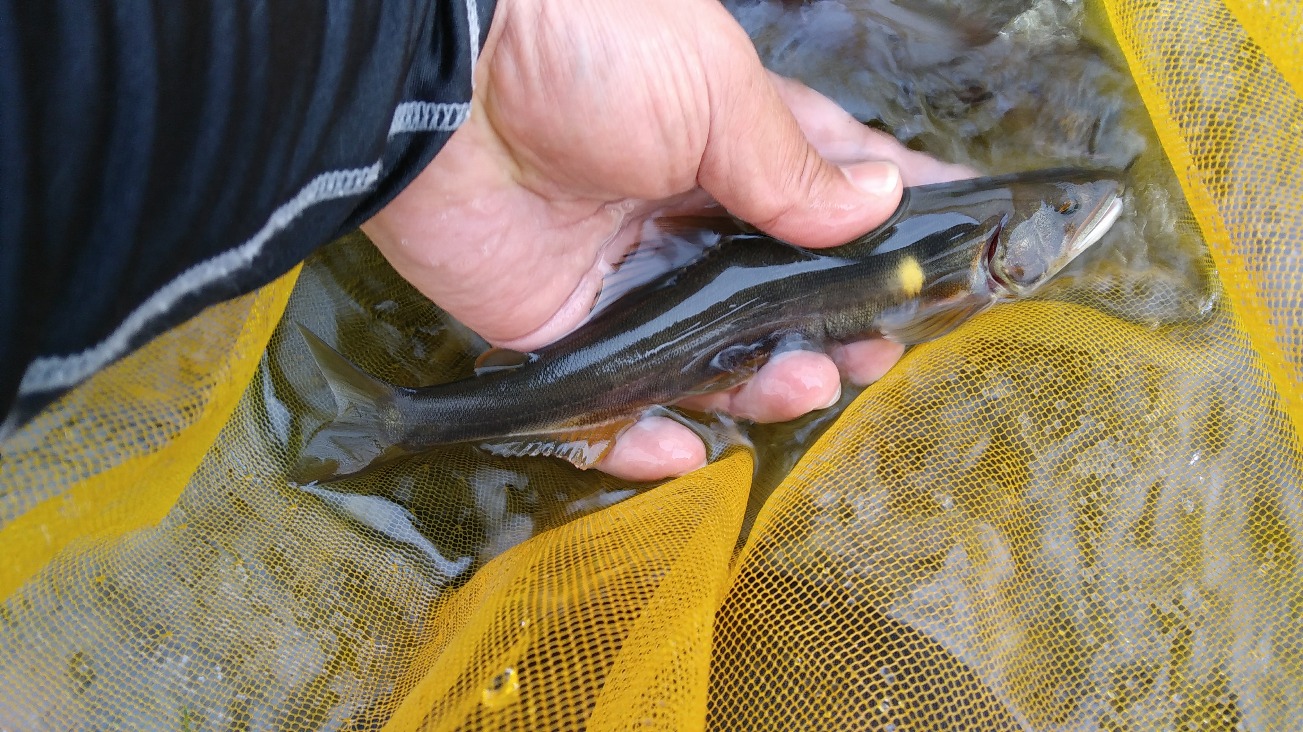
[{"x": 1054, "y": 219}]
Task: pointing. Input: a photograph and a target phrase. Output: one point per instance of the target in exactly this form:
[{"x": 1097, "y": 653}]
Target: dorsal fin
[
  {"x": 669, "y": 243},
  {"x": 501, "y": 359},
  {"x": 715, "y": 220}
]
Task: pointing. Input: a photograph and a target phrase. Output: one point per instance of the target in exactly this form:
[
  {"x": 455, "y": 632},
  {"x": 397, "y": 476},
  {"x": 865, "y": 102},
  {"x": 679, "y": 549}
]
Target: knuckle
[{"x": 798, "y": 182}]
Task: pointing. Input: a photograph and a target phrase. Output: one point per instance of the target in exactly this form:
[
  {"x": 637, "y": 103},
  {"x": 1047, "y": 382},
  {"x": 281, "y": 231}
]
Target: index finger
[{"x": 842, "y": 139}]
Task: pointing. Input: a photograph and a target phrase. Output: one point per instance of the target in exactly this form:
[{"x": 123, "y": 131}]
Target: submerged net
[{"x": 1082, "y": 511}]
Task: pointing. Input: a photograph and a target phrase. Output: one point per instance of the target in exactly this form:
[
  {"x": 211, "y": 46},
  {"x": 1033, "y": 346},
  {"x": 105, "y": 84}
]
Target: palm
[{"x": 576, "y": 136}]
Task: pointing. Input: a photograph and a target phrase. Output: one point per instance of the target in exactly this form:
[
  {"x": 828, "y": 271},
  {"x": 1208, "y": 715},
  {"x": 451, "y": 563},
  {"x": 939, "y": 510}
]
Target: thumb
[{"x": 758, "y": 164}]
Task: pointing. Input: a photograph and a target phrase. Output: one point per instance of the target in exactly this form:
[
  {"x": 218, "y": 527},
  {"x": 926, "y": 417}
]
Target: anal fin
[{"x": 582, "y": 446}]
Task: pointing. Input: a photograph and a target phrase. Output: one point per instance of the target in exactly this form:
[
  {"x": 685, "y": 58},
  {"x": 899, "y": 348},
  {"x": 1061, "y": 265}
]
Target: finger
[
  {"x": 654, "y": 448},
  {"x": 789, "y": 385},
  {"x": 759, "y": 165},
  {"x": 864, "y": 362},
  {"x": 841, "y": 138}
]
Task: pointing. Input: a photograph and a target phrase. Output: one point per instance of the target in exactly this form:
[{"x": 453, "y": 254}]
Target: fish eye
[{"x": 1068, "y": 206}]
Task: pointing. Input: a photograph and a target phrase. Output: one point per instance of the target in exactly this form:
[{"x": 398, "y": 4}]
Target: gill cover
[
  {"x": 1052, "y": 223},
  {"x": 1024, "y": 228}
]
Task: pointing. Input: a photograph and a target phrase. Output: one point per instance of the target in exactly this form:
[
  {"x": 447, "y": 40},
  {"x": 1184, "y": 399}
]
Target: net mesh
[{"x": 1062, "y": 516}]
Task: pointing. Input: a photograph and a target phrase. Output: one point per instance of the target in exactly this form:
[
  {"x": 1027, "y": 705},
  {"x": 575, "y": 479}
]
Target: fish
[{"x": 947, "y": 253}]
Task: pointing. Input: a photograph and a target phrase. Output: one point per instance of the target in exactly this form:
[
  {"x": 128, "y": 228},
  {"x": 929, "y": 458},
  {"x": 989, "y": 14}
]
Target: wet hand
[{"x": 590, "y": 115}]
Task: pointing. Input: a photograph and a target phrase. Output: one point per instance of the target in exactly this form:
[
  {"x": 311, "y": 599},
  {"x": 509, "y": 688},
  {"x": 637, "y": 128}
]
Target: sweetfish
[{"x": 949, "y": 251}]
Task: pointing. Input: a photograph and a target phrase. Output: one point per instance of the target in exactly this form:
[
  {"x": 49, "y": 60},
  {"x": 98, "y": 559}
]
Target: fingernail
[
  {"x": 877, "y": 177},
  {"x": 835, "y": 397}
]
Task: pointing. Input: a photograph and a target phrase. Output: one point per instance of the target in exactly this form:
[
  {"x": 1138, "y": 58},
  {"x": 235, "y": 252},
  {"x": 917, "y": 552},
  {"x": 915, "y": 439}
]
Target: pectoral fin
[
  {"x": 918, "y": 322},
  {"x": 582, "y": 447},
  {"x": 734, "y": 365}
]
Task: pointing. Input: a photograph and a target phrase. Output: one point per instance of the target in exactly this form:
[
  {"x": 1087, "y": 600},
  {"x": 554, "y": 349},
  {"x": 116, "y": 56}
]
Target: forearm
[{"x": 156, "y": 158}]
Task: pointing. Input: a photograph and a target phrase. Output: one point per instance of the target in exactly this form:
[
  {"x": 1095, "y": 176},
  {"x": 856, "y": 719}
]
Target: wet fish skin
[{"x": 949, "y": 251}]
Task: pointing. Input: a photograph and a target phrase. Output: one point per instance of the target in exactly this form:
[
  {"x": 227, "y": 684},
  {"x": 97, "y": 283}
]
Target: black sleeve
[{"x": 157, "y": 156}]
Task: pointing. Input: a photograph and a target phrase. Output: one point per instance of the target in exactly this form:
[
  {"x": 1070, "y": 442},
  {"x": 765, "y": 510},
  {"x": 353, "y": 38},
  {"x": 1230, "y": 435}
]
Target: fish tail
[{"x": 368, "y": 426}]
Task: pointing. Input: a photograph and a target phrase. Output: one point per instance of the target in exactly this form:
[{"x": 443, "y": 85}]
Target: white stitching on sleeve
[
  {"x": 49, "y": 373},
  {"x": 428, "y": 117},
  {"x": 59, "y": 372}
]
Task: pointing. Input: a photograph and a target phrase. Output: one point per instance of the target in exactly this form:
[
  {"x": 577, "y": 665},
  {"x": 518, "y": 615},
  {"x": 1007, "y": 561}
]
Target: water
[
  {"x": 1003, "y": 87},
  {"x": 341, "y": 577},
  {"x": 985, "y": 88},
  {"x": 989, "y": 91}
]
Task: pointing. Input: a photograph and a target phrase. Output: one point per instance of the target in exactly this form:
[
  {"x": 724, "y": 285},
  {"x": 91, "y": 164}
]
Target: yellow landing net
[{"x": 1053, "y": 519}]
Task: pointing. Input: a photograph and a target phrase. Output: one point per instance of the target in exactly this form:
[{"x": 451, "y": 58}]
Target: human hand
[{"x": 589, "y": 115}]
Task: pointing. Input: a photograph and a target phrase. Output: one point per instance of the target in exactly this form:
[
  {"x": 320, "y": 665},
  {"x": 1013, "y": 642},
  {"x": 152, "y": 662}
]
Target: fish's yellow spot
[{"x": 910, "y": 276}]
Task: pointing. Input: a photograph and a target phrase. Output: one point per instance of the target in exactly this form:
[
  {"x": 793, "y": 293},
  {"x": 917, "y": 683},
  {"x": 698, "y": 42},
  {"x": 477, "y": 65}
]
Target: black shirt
[{"x": 158, "y": 157}]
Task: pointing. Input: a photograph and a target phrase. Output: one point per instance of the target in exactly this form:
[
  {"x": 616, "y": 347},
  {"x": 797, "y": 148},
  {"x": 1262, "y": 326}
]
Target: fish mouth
[{"x": 1096, "y": 227}]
